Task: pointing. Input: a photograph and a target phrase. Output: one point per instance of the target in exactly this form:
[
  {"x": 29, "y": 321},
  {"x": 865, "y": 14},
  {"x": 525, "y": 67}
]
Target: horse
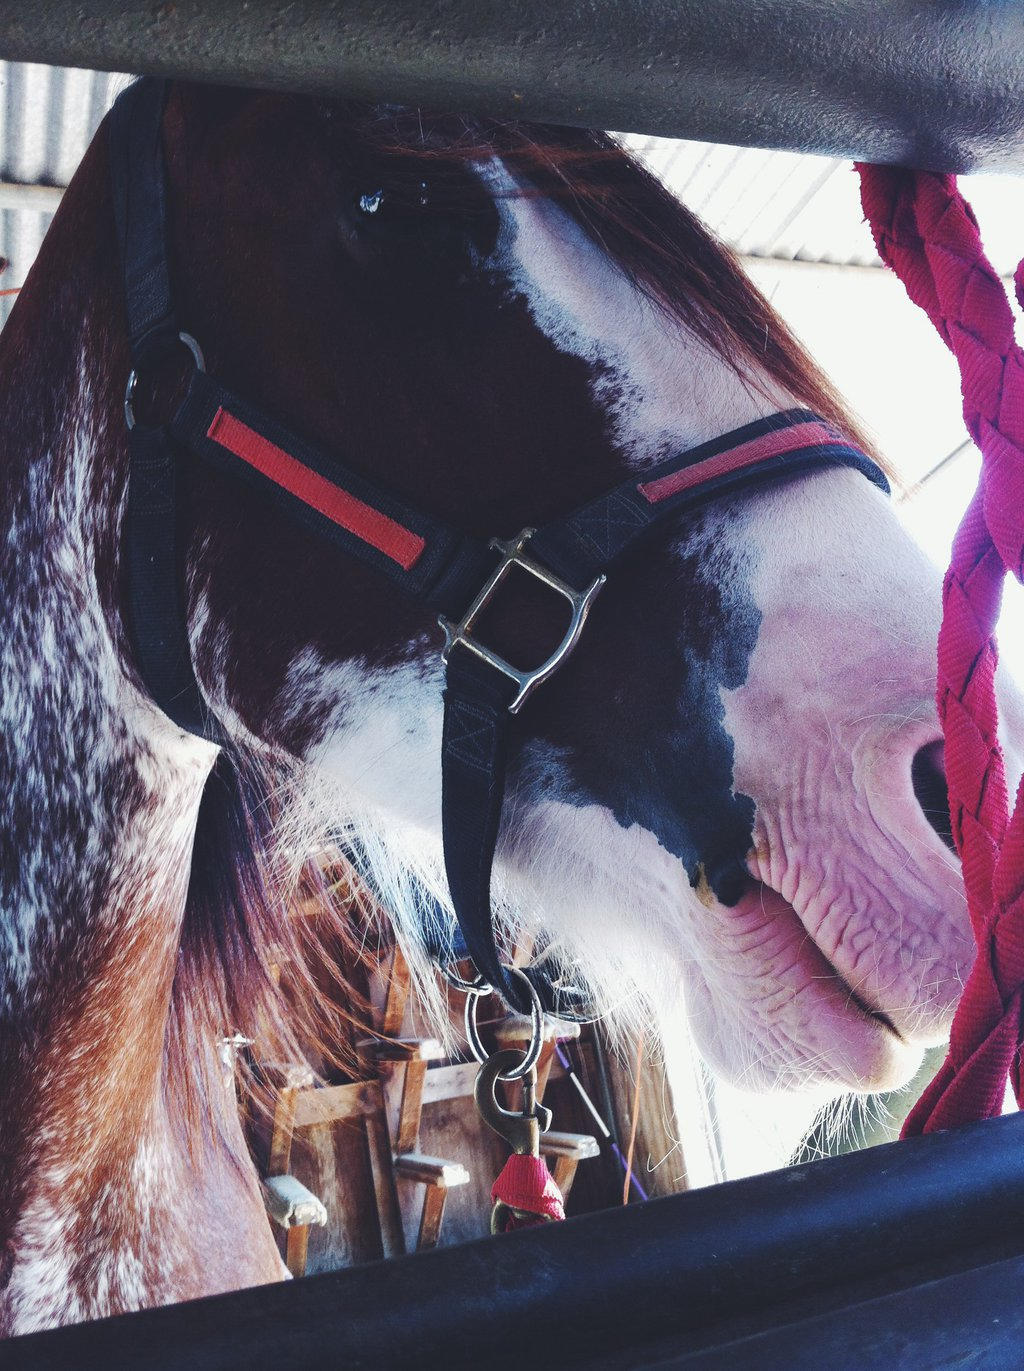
[{"x": 497, "y": 320}]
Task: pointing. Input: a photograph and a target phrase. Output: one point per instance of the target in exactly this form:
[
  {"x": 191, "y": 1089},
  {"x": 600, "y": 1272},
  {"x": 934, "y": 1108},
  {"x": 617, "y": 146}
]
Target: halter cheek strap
[{"x": 451, "y": 572}]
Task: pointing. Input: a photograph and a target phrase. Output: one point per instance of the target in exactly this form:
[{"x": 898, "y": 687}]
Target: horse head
[
  {"x": 732, "y": 792},
  {"x": 499, "y": 323}
]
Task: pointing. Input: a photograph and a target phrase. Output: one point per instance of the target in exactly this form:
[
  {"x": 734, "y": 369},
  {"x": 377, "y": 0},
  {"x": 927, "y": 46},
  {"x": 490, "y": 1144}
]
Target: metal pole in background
[{"x": 935, "y": 83}]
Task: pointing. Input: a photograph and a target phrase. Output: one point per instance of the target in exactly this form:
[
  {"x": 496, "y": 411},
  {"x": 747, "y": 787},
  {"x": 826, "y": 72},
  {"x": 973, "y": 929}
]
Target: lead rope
[{"x": 926, "y": 232}]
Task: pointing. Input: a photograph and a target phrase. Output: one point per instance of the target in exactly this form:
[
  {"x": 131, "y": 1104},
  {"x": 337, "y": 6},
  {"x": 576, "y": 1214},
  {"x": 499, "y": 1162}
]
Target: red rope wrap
[
  {"x": 526, "y": 1183},
  {"x": 927, "y": 233}
]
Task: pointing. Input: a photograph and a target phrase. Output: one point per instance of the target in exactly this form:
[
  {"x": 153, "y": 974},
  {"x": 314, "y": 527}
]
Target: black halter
[{"x": 451, "y": 572}]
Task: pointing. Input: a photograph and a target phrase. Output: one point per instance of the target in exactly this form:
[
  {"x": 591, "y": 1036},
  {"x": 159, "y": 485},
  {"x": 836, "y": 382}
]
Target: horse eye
[
  {"x": 410, "y": 199},
  {"x": 371, "y": 202},
  {"x": 441, "y": 217}
]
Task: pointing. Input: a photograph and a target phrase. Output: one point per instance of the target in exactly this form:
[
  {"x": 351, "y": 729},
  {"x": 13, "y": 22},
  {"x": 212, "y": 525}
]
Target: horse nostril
[{"x": 928, "y": 776}]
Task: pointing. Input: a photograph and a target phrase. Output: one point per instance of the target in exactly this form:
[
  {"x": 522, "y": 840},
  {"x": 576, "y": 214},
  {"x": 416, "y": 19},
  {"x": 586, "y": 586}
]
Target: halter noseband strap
[{"x": 452, "y": 572}]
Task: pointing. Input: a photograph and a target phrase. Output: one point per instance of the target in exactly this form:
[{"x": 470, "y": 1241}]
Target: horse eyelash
[{"x": 371, "y": 202}]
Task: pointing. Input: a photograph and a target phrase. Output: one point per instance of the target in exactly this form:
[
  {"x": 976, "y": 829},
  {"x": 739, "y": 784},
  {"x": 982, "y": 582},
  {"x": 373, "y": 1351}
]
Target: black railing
[
  {"x": 936, "y": 84},
  {"x": 905, "y": 1255}
]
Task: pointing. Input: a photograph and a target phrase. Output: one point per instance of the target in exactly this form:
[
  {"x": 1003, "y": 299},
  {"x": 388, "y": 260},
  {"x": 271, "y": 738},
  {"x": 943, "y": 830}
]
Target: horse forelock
[{"x": 662, "y": 246}]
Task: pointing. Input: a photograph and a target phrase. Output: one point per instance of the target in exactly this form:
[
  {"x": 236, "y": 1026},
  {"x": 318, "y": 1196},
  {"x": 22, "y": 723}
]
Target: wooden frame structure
[{"x": 399, "y": 1075}]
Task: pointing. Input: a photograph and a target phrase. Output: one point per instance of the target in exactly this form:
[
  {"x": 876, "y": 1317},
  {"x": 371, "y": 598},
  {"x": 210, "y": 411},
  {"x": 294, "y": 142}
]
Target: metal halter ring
[
  {"x": 536, "y": 1028},
  {"x": 133, "y": 377},
  {"x": 477, "y": 986}
]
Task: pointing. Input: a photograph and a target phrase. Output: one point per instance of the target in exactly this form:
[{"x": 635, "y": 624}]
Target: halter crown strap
[
  {"x": 442, "y": 567},
  {"x": 157, "y": 624}
]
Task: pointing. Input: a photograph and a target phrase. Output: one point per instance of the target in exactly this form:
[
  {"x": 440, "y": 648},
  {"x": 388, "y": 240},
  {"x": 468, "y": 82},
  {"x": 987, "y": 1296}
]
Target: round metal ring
[
  {"x": 133, "y": 377},
  {"x": 477, "y": 986},
  {"x": 532, "y": 1052}
]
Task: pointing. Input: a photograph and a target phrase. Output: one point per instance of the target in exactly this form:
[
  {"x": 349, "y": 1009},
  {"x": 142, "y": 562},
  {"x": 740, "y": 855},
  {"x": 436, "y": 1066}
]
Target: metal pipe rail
[
  {"x": 936, "y": 83},
  {"x": 898, "y": 1256}
]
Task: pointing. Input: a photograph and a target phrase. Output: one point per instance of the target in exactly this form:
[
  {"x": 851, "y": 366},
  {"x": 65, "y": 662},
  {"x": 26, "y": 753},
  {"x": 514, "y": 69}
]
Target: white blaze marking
[{"x": 664, "y": 389}]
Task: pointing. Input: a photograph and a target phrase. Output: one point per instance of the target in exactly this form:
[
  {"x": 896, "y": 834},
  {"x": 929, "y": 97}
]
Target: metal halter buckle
[
  {"x": 580, "y": 601},
  {"x": 133, "y": 377}
]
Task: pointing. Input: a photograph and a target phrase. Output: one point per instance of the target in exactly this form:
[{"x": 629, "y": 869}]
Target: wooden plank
[
  {"x": 411, "y": 1107},
  {"x": 388, "y": 1212},
  {"x": 291, "y": 1079},
  {"x": 564, "y": 1172},
  {"x": 453, "y": 1128},
  {"x": 567, "y": 1151},
  {"x": 434, "y": 1200},
  {"x": 401, "y": 1049},
  {"x": 456, "y": 1082},
  {"x": 291, "y": 1204},
  {"x": 333, "y": 1159},
  {"x": 544, "y": 1064},
  {"x": 658, "y": 1133},
  {"x": 296, "y": 1248},
  {"x": 281, "y": 1133},
  {"x": 397, "y": 996},
  {"x": 449, "y": 1082},
  {"x": 579, "y": 1146},
  {"x": 518, "y": 1029},
  {"x": 431, "y": 1171},
  {"x": 333, "y": 1103},
  {"x": 279, "y": 1159}
]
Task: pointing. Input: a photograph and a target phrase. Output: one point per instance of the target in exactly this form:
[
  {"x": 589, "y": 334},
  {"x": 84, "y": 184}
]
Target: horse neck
[{"x": 99, "y": 804}]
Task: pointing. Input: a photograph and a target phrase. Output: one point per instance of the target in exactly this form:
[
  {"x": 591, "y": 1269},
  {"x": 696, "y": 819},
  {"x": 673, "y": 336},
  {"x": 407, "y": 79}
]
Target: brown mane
[{"x": 249, "y": 963}]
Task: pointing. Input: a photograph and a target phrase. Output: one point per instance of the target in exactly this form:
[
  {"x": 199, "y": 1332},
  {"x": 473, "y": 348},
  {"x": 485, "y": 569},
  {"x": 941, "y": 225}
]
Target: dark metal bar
[
  {"x": 931, "y": 84},
  {"x": 960, "y": 1319},
  {"x": 675, "y": 1276}
]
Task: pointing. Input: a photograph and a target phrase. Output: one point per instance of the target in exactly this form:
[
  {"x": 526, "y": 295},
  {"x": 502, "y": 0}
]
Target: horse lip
[
  {"x": 877, "y": 1014},
  {"x": 853, "y": 998}
]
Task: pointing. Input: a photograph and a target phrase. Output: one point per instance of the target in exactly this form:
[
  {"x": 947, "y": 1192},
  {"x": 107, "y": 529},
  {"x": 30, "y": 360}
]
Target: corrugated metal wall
[
  {"x": 47, "y": 118},
  {"x": 796, "y": 207}
]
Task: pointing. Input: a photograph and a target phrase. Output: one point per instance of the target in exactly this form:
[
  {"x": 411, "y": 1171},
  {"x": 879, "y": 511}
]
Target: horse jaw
[
  {"x": 854, "y": 885},
  {"x": 846, "y": 954}
]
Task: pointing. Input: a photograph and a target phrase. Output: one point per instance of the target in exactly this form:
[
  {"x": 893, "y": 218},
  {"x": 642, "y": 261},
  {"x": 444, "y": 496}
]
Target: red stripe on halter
[
  {"x": 400, "y": 544},
  {"x": 809, "y": 434}
]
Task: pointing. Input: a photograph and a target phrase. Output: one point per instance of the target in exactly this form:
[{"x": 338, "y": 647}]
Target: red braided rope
[{"x": 927, "y": 233}]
